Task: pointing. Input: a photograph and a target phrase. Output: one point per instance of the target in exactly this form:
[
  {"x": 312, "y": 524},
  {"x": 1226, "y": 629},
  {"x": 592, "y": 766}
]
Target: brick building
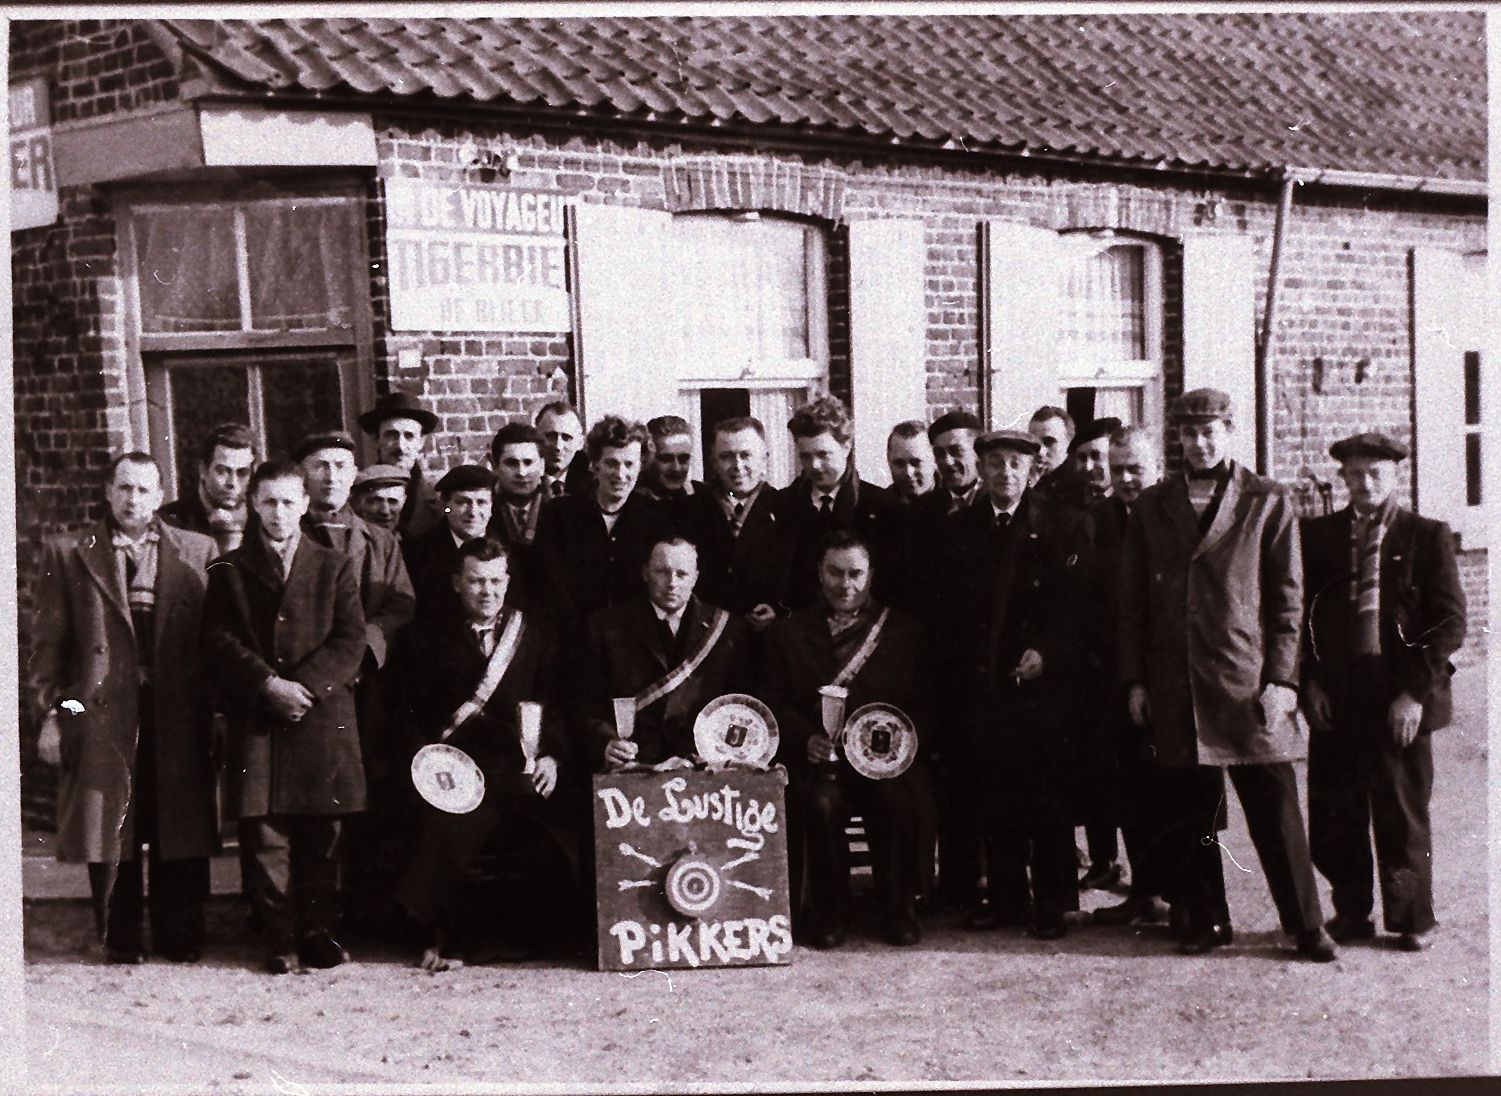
[{"x": 280, "y": 219}]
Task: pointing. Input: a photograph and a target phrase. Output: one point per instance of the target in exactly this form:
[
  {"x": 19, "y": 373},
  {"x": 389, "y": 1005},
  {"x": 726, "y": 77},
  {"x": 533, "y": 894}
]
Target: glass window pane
[
  {"x": 187, "y": 271},
  {"x": 303, "y": 265},
  {"x": 1472, "y": 388},
  {"x": 299, "y": 399},
  {"x": 1105, "y": 305},
  {"x": 1472, "y": 469},
  {"x": 203, "y": 396}
]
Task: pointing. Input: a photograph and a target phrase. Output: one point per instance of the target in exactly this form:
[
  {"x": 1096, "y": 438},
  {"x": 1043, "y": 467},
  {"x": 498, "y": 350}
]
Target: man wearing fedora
[
  {"x": 400, "y": 424},
  {"x": 1386, "y": 613},
  {"x": 1210, "y": 616}
]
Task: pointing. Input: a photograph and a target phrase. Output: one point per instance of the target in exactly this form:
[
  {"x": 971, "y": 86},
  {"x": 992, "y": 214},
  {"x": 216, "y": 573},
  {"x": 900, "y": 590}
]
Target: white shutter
[
  {"x": 1219, "y": 329},
  {"x": 628, "y": 337},
  {"x": 1439, "y": 284},
  {"x": 888, "y": 336},
  {"x": 1023, "y": 271}
]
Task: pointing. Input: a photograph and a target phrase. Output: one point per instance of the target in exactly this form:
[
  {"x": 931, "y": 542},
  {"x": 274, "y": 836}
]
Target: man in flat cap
[
  {"x": 388, "y": 601},
  {"x": 1386, "y": 613},
  {"x": 466, "y": 498},
  {"x": 400, "y": 425},
  {"x": 516, "y": 457},
  {"x": 1010, "y": 657},
  {"x": 379, "y": 495},
  {"x": 1211, "y": 612}
]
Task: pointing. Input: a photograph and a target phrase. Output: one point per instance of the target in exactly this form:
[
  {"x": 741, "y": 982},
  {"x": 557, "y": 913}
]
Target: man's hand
[
  {"x": 1404, "y": 719},
  {"x": 545, "y": 776},
  {"x": 760, "y": 618},
  {"x": 288, "y": 699},
  {"x": 1140, "y": 705},
  {"x": 1277, "y": 702},
  {"x": 1316, "y": 707},
  {"x": 49, "y": 742},
  {"x": 620, "y": 751},
  {"x": 1030, "y": 666},
  {"x": 820, "y": 749}
]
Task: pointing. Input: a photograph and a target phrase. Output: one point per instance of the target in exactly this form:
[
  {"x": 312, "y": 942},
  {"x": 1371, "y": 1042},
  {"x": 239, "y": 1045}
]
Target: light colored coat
[
  {"x": 1206, "y": 622},
  {"x": 84, "y": 649}
]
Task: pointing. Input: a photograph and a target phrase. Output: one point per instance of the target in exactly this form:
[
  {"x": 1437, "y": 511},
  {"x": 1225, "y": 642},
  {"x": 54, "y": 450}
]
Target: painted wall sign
[
  {"x": 33, "y": 180},
  {"x": 691, "y": 869},
  {"x": 475, "y": 257}
]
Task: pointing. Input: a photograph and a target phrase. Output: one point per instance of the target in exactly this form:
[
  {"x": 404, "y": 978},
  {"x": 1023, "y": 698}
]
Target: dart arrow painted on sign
[
  {"x": 628, "y": 884},
  {"x": 764, "y": 892},
  {"x": 735, "y": 863},
  {"x": 627, "y": 849}
]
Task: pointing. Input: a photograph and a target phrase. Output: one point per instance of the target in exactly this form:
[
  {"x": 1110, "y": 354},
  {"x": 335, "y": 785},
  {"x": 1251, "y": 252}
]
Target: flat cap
[
  {"x": 1018, "y": 441},
  {"x": 466, "y": 477},
  {"x": 1100, "y": 428},
  {"x": 398, "y": 405},
  {"x": 1368, "y": 444},
  {"x": 380, "y": 475},
  {"x": 1202, "y": 405},
  {"x": 324, "y": 439},
  {"x": 954, "y": 420}
]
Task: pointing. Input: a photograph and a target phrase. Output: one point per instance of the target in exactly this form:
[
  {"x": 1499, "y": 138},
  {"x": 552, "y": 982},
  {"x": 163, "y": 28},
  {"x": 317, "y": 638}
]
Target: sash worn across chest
[
  {"x": 681, "y": 673},
  {"x": 495, "y": 670},
  {"x": 862, "y": 653}
]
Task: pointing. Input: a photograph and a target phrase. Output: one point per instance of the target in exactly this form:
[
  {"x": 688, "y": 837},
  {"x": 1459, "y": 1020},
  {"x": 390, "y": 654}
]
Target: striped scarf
[{"x": 1367, "y": 532}]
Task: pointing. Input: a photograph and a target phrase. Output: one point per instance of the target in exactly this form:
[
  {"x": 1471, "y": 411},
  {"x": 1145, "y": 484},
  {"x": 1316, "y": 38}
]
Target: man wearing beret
[
  {"x": 466, "y": 496},
  {"x": 1013, "y": 580},
  {"x": 386, "y": 596},
  {"x": 400, "y": 425},
  {"x": 1211, "y": 612},
  {"x": 1386, "y": 612}
]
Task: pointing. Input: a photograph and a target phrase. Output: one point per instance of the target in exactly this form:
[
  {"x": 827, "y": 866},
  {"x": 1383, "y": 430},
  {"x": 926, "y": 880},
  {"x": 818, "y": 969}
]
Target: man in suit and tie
[
  {"x": 827, "y": 494},
  {"x": 669, "y": 650},
  {"x": 900, "y": 535},
  {"x": 217, "y": 508},
  {"x": 742, "y": 553},
  {"x": 466, "y": 497},
  {"x": 516, "y": 457},
  {"x": 283, "y": 640},
  {"x": 562, "y": 433},
  {"x": 400, "y": 425},
  {"x": 464, "y": 677},
  {"x": 1211, "y": 613},
  {"x": 114, "y": 677},
  {"x": 1386, "y": 613}
]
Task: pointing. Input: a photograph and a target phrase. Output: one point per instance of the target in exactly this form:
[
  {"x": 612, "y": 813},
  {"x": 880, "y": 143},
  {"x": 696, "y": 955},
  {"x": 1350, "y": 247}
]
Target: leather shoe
[
  {"x": 1048, "y": 930},
  {"x": 903, "y": 932},
  {"x": 124, "y": 957},
  {"x": 187, "y": 953},
  {"x": 322, "y": 951},
  {"x": 1136, "y": 910},
  {"x": 1205, "y": 940},
  {"x": 1101, "y": 876},
  {"x": 281, "y": 962},
  {"x": 829, "y": 937},
  {"x": 1344, "y": 930},
  {"x": 987, "y": 916},
  {"x": 1415, "y": 941},
  {"x": 1315, "y": 944}
]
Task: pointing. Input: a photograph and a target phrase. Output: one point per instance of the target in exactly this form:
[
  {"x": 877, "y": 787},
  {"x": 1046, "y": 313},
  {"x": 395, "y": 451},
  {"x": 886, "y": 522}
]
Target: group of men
[{"x": 1075, "y": 643}]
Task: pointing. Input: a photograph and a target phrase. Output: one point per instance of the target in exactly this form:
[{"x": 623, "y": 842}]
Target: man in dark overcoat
[
  {"x": 632, "y": 648},
  {"x": 1014, "y": 583},
  {"x": 216, "y": 506},
  {"x": 1386, "y": 613},
  {"x": 116, "y": 686},
  {"x": 1211, "y": 611},
  {"x": 283, "y": 640},
  {"x": 538, "y": 813},
  {"x": 466, "y": 499},
  {"x": 849, "y": 639},
  {"x": 516, "y": 457}
]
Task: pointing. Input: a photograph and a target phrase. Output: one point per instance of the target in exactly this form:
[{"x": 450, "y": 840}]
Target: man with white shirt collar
[
  {"x": 466, "y": 498},
  {"x": 638, "y": 648},
  {"x": 516, "y": 457},
  {"x": 666, "y": 477}
]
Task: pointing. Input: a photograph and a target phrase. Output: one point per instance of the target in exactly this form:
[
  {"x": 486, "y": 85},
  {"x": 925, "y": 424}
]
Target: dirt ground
[{"x": 1099, "y": 1004}]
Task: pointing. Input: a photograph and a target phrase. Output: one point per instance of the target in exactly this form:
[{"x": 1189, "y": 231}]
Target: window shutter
[
  {"x": 627, "y": 337},
  {"x": 1438, "y": 343},
  {"x": 888, "y": 336},
  {"x": 1219, "y": 329},
  {"x": 1019, "y": 328}
]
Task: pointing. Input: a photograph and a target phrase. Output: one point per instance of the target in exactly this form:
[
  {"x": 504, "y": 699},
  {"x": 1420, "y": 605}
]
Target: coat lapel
[
  {"x": 98, "y": 555},
  {"x": 1179, "y": 511},
  {"x": 1396, "y": 550},
  {"x": 263, "y": 565},
  {"x": 644, "y": 623},
  {"x": 171, "y": 576},
  {"x": 1225, "y": 517}
]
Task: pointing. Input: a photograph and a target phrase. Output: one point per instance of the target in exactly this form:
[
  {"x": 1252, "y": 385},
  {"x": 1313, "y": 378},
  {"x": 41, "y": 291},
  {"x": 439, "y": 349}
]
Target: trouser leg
[
  {"x": 1191, "y": 805},
  {"x": 266, "y": 865},
  {"x": 1102, "y": 843},
  {"x": 116, "y": 892},
  {"x": 826, "y": 814},
  {"x": 176, "y": 892},
  {"x": 1400, "y": 791},
  {"x": 1339, "y": 822},
  {"x": 315, "y": 872},
  {"x": 895, "y": 814},
  {"x": 1269, "y": 796},
  {"x": 1055, "y": 879},
  {"x": 431, "y": 886},
  {"x": 1007, "y": 851},
  {"x": 958, "y": 840}
]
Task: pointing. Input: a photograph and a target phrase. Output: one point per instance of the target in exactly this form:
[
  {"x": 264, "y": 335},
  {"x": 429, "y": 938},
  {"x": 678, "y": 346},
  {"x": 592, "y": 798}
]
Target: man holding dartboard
[{"x": 846, "y": 655}]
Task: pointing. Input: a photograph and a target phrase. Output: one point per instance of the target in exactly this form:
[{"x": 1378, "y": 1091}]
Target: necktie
[
  {"x": 555, "y": 488},
  {"x": 1002, "y": 520},
  {"x": 485, "y": 633},
  {"x": 825, "y": 505},
  {"x": 738, "y": 514}
]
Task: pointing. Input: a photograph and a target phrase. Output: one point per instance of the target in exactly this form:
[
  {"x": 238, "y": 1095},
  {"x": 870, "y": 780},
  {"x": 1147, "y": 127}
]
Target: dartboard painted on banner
[{"x": 691, "y": 869}]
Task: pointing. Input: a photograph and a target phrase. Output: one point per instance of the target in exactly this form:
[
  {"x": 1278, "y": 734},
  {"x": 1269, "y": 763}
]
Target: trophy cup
[
  {"x": 625, "y": 716},
  {"x": 529, "y": 721},
  {"x": 831, "y": 701}
]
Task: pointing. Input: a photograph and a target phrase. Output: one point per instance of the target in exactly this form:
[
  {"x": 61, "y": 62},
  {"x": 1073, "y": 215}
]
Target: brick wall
[{"x": 96, "y": 67}]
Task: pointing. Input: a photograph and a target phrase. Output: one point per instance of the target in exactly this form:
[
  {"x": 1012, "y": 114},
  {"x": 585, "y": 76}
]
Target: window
[{"x": 248, "y": 308}]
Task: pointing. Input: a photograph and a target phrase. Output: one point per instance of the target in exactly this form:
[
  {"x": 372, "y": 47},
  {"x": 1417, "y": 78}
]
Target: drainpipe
[{"x": 1264, "y": 407}]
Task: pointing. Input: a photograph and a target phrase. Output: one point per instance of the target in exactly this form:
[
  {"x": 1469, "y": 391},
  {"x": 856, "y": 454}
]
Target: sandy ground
[{"x": 1100, "y": 1004}]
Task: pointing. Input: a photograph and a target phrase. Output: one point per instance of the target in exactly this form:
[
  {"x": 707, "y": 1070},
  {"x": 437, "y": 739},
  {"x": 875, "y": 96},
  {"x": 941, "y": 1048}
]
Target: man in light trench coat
[{"x": 1211, "y": 612}]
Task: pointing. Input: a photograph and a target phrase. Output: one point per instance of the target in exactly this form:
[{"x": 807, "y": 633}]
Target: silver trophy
[
  {"x": 831, "y": 702},
  {"x": 625, "y": 717},
  {"x": 529, "y": 721}
]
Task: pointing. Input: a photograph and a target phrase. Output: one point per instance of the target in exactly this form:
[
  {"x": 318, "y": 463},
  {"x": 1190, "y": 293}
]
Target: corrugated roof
[{"x": 1386, "y": 92}]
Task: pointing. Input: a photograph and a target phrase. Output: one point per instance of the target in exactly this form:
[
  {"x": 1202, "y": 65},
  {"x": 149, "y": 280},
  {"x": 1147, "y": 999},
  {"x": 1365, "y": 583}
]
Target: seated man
[
  {"x": 670, "y": 651},
  {"x": 847, "y": 638},
  {"x": 463, "y": 677}
]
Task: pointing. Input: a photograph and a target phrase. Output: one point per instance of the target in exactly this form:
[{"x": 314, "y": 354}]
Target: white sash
[
  {"x": 683, "y": 672},
  {"x": 495, "y": 669},
  {"x": 862, "y": 655}
]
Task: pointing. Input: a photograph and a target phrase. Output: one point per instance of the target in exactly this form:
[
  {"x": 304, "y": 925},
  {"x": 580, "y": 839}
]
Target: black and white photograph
[{"x": 726, "y": 547}]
